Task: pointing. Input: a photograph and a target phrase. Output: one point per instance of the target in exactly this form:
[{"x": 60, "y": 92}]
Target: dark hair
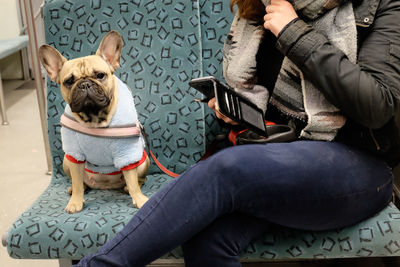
[{"x": 249, "y": 9}]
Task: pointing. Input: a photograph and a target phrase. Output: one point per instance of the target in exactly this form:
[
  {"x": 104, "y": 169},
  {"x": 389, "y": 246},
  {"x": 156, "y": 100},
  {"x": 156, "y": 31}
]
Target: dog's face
[{"x": 87, "y": 84}]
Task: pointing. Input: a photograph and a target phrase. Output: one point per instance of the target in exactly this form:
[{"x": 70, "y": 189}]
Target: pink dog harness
[{"x": 116, "y": 132}]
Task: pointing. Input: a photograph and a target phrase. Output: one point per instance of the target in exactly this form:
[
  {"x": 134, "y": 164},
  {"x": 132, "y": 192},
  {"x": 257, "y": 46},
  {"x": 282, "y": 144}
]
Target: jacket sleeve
[{"x": 367, "y": 92}]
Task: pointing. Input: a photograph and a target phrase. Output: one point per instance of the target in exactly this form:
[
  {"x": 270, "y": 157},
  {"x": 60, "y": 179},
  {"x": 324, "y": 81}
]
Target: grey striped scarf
[{"x": 293, "y": 94}]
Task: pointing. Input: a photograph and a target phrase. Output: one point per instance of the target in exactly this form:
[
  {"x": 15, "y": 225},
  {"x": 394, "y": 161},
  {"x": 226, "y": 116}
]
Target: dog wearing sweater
[{"x": 101, "y": 138}]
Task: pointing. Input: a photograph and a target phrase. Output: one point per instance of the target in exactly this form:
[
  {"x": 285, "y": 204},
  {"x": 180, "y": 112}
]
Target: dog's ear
[
  {"x": 52, "y": 61},
  {"x": 110, "y": 49}
]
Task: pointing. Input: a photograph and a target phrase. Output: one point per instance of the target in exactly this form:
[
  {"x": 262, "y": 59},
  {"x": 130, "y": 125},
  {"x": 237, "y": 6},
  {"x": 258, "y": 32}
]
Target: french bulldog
[{"x": 95, "y": 100}]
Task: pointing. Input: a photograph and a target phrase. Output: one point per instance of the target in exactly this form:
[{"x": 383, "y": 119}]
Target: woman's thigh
[{"x": 306, "y": 184}]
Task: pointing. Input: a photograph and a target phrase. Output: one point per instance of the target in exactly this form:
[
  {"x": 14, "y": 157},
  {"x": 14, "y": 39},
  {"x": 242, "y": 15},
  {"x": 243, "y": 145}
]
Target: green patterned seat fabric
[{"x": 166, "y": 44}]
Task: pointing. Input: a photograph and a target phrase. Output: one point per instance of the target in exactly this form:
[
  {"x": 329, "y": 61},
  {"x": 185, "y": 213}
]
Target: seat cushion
[
  {"x": 375, "y": 237},
  {"x": 45, "y": 230}
]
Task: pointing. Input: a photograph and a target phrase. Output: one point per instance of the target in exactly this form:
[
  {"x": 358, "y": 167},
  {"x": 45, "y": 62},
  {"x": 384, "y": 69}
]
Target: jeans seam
[
  {"x": 362, "y": 192},
  {"x": 388, "y": 182}
]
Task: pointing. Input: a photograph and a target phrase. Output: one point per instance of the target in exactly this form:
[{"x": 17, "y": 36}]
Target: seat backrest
[{"x": 166, "y": 43}]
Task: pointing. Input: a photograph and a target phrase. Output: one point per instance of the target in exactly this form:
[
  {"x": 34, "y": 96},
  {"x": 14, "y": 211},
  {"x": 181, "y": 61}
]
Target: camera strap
[{"x": 277, "y": 133}]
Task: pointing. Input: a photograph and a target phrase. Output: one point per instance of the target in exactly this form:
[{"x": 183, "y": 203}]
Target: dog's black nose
[{"x": 85, "y": 85}]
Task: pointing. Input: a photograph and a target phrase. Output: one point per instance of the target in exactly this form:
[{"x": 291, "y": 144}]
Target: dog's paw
[
  {"x": 74, "y": 206},
  {"x": 139, "y": 200}
]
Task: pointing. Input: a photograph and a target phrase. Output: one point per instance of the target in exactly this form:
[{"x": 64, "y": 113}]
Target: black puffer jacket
[{"x": 368, "y": 92}]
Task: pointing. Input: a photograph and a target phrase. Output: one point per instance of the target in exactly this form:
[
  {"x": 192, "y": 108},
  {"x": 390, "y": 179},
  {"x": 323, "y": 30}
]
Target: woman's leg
[
  {"x": 307, "y": 185},
  {"x": 220, "y": 243}
]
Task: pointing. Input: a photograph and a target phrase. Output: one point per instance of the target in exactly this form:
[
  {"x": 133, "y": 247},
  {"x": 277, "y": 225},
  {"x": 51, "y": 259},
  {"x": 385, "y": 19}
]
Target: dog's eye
[
  {"x": 100, "y": 76},
  {"x": 70, "y": 81}
]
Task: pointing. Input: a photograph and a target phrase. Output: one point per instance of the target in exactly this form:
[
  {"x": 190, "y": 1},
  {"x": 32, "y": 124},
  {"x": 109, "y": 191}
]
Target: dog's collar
[{"x": 111, "y": 132}]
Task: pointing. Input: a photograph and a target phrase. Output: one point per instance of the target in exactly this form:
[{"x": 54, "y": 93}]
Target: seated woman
[{"x": 331, "y": 69}]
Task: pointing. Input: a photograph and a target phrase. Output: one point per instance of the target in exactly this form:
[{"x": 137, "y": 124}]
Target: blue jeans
[{"x": 221, "y": 204}]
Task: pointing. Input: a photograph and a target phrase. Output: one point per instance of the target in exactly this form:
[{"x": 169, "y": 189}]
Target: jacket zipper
[{"x": 374, "y": 139}]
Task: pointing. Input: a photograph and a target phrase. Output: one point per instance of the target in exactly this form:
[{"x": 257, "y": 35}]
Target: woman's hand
[
  {"x": 279, "y": 14},
  {"x": 212, "y": 104}
]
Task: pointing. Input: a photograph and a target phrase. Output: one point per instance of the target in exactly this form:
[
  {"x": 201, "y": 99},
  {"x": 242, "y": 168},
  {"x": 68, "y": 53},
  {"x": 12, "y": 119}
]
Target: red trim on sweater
[
  {"x": 73, "y": 160},
  {"x": 136, "y": 164},
  {"x": 126, "y": 168},
  {"x": 112, "y": 173}
]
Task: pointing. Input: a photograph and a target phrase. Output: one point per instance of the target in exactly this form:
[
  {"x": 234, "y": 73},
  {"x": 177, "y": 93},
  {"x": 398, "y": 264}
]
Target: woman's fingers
[{"x": 213, "y": 105}]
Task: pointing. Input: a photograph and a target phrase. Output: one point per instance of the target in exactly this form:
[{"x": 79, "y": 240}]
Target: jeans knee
[
  {"x": 220, "y": 243},
  {"x": 209, "y": 250},
  {"x": 226, "y": 163}
]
